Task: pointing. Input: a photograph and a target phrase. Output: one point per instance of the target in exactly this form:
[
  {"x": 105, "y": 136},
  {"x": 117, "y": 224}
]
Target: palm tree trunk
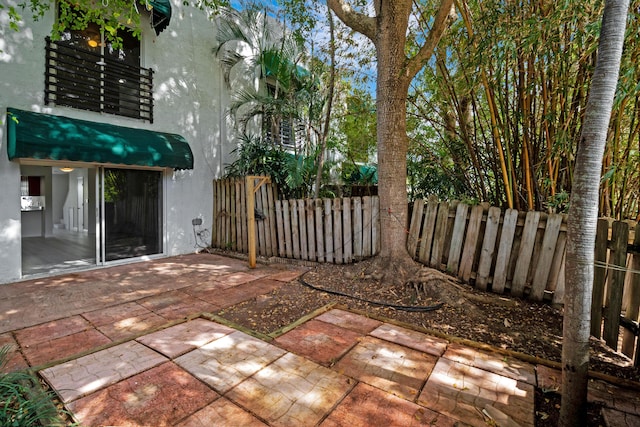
[{"x": 583, "y": 215}]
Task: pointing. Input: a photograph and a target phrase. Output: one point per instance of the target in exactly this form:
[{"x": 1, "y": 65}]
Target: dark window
[{"x": 85, "y": 71}]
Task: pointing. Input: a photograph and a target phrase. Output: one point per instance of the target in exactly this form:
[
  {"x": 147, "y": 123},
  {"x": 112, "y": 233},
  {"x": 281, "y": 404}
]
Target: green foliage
[
  {"x": 293, "y": 175},
  {"x": 23, "y": 403},
  {"x": 112, "y": 15}
]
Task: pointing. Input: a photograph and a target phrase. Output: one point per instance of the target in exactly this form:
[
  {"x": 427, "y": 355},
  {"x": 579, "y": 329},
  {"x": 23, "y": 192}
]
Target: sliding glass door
[{"x": 131, "y": 213}]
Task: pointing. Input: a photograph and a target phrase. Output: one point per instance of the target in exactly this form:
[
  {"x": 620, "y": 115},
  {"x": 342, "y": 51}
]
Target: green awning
[
  {"x": 44, "y": 136},
  {"x": 160, "y": 14}
]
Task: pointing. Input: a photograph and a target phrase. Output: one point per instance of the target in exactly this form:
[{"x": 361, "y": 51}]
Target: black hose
[{"x": 410, "y": 308}]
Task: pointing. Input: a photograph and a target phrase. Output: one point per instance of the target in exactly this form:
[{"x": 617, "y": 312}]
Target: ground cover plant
[{"x": 23, "y": 402}]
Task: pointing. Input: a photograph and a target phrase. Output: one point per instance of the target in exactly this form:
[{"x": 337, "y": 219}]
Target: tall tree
[
  {"x": 398, "y": 62},
  {"x": 583, "y": 214}
]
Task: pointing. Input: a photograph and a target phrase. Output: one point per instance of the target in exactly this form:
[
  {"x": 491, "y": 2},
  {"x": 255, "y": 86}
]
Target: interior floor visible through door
[{"x": 64, "y": 250}]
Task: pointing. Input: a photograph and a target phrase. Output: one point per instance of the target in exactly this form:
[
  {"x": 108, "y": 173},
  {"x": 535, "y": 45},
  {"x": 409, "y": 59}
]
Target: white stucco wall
[{"x": 189, "y": 99}]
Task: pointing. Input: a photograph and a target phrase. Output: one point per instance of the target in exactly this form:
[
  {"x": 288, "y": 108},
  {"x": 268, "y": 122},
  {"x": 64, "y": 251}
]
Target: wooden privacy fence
[
  {"x": 515, "y": 252},
  {"x": 522, "y": 254},
  {"x": 340, "y": 230}
]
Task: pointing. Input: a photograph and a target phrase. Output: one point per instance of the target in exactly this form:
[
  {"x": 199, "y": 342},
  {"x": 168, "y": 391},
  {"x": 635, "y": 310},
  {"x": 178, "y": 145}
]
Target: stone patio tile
[
  {"x": 87, "y": 374},
  {"x": 412, "y": 339},
  {"x": 233, "y": 295},
  {"x": 347, "y": 320},
  {"x": 158, "y": 397},
  {"x": 492, "y": 362},
  {"x": 227, "y": 361},
  {"x": 221, "y": 413},
  {"x": 319, "y": 341},
  {"x": 51, "y": 330},
  {"x": 549, "y": 378},
  {"x": 388, "y": 366},
  {"x": 15, "y": 359},
  {"x": 235, "y": 279},
  {"x": 66, "y": 346},
  {"x": 176, "y": 305},
  {"x": 179, "y": 339},
  {"x": 462, "y": 392},
  {"x": 366, "y": 406},
  {"x": 292, "y": 391},
  {"x": 614, "y": 397},
  {"x": 613, "y": 418},
  {"x": 288, "y": 275},
  {"x": 124, "y": 320}
]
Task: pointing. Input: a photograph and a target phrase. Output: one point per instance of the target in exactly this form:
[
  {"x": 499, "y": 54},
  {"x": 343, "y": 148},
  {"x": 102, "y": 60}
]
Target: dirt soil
[{"x": 502, "y": 322}]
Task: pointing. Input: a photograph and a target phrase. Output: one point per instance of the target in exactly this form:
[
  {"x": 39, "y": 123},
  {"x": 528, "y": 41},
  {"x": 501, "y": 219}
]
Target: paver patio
[{"x": 160, "y": 362}]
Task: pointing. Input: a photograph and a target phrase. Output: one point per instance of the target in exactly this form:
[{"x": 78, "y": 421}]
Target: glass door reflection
[{"x": 132, "y": 213}]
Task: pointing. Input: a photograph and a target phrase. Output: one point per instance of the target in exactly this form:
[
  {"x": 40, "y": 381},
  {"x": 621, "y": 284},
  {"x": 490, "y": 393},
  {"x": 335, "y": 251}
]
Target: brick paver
[
  {"x": 321, "y": 342},
  {"x": 367, "y": 406},
  {"x": 124, "y": 321},
  {"x": 64, "y": 347},
  {"x": 492, "y": 362},
  {"x": 15, "y": 360},
  {"x": 292, "y": 391},
  {"x": 347, "y": 320},
  {"x": 176, "y": 305},
  {"x": 613, "y": 418},
  {"x": 51, "y": 330},
  {"x": 388, "y": 366},
  {"x": 159, "y": 397},
  {"x": 462, "y": 392},
  {"x": 412, "y": 339},
  {"x": 229, "y": 360},
  {"x": 222, "y": 413},
  {"x": 87, "y": 374},
  {"x": 179, "y": 339}
]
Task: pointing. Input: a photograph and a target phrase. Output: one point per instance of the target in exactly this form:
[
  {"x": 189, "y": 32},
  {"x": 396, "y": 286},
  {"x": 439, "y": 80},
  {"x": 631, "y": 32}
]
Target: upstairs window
[{"x": 85, "y": 71}]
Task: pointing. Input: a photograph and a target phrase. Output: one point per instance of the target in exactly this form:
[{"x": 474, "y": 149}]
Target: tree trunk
[
  {"x": 391, "y": 96},
  {"x": 583, "y": 214},
  {"x": 388, "y": 32}
]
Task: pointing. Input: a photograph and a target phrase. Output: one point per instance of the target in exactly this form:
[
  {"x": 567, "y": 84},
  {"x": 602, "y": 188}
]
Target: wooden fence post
[
  {"x": 251, "y": 214},
  {"x": 620, "y": 239}
]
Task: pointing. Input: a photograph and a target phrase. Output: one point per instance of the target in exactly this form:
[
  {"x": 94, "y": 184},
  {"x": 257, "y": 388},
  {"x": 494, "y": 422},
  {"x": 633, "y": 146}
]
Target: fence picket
[
  {"x": 457, "y": 238},
  {"x": 366, "y": 226},
  {"x": 375, "y": 225},
  {"x": 615, "y": 286},
  {"x": 280, "y": 225},
  {"x": 488, "y": 248},
  {"x": 271, "y": 220},
  {"x": 319, "y": 230},
  {"x": 288, "y": 229},
  {"x": 599, "y": 276},
  {"x": 346, "y": 230},
  {"x": 295, "y": 229},
  {"x": 302, "y": 218},
  {"x": 470, "y": 243},
  {"x": 311, "y": 235},
  {"x": 524, "y": 255},
  {"x": 428, "y": 227},
  {"x": 414, "y": 229},
  {"x": 439, "y": 235},
  {"x": 547, "y": 251},
  {"x": 337, "y": 230},
  {"x": 328, "y": 229},
  {"x": 357, "y": 228},
  {"x": 633, "y": 308}
]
